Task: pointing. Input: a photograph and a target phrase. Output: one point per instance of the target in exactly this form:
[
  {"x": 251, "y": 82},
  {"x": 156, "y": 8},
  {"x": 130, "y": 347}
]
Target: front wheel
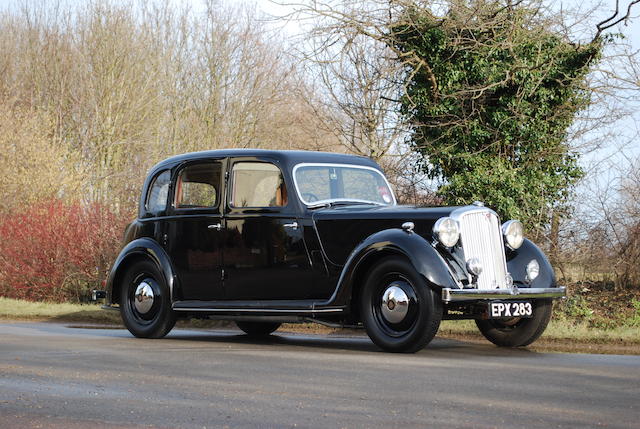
[
  {"x": 399, "y": 311},
  {"x": 518, "y": 332},
  {"x": 145, "y": 305}
]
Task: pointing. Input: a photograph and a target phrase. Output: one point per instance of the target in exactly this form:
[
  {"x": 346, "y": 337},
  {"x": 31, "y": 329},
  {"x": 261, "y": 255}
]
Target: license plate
[{"x": 499, "y": 309}]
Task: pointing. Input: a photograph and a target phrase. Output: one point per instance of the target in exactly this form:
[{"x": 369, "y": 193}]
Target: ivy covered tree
[{"x": 491, "y": 91}]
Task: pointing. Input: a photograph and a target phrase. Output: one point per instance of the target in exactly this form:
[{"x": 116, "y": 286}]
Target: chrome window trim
[
  {"x": 327, "y": 164},
  {"x": 174, "y": 183},
  {"x": 150, "y": 189},
  {"x": 230, "y": 183}
]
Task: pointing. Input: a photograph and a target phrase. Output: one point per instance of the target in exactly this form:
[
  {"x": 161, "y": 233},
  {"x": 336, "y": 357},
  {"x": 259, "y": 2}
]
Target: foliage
[
  {"x": 56, "y": 251},
  {"x": 635, "y": 319},
  {"x": 576, "y": 307},
  {"x": 491, "y": 92},
  {"x": 599, "y": 305}
]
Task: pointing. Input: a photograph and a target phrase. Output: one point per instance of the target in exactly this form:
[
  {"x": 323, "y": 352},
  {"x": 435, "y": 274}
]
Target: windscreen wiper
[{"x": 322, "y": 204}]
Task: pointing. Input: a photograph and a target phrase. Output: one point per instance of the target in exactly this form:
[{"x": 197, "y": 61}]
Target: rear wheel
[
  {"x": 258, "y": 329},
  {"x": 399, "y": 310},
  {"x": 518, "y": 332},
  {"x": 145, "y": 305}
]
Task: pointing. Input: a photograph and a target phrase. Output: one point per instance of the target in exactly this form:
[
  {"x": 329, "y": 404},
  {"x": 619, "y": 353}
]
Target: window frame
[
  {"x": 339, "y": 165},
  {"x": 152, "y": 183},
  {"x": 231, "y": 184},
  {"x": 219, "y": 191}
]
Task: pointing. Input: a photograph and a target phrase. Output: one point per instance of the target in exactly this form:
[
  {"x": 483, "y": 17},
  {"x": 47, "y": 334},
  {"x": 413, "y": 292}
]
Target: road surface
[{"x": 56, "y": 375}]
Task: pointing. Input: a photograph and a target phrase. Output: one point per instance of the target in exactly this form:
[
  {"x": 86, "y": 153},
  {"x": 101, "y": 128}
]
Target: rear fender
[{"x": 142, "y": 248}]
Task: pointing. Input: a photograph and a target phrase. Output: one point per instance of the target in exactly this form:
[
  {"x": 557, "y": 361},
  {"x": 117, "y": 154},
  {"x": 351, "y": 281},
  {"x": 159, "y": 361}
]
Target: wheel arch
[
  {"x": 393, "y": 242},
  {"x": 139, "y": 250},
  {"x": 360, "y": 275}
]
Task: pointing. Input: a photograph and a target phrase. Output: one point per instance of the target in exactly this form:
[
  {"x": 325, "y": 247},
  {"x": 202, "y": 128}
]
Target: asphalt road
[{"x": 53, "y": 375}]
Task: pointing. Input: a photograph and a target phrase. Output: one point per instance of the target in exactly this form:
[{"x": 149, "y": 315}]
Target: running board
[{"x": 255, "y": 307}]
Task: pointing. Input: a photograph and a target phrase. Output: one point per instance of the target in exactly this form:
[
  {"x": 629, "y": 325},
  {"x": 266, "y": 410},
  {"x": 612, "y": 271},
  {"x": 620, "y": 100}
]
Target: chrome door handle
[
  {"x": 292, "y": 225},
  {"x": 217, "y": 226}
]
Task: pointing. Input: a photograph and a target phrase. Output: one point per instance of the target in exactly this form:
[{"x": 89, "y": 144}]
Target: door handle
[
  {"x": 216, "y": 226},
  {"x": 292, "y": 225}
]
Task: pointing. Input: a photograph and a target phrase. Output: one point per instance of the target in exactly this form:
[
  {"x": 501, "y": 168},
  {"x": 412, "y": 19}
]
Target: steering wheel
[{"x": 309, "y": 197}]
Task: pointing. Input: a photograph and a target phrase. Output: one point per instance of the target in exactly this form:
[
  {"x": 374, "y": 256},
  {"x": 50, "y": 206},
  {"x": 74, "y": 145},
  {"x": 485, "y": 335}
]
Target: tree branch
[{"x": 614, "y": 20}]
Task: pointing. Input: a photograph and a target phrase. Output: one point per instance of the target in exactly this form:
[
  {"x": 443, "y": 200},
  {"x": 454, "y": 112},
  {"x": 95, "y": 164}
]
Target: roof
[{"x": 287, "y": 157}]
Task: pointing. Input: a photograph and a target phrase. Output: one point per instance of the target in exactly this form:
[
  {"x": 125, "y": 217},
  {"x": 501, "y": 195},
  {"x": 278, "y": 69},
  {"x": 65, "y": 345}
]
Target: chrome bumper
[{"x": 457, "y": 295}]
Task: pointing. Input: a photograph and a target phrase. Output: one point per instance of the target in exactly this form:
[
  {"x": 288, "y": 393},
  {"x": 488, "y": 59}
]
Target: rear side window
[
  {"x": 257, "y": 184},
  {"x": 198, "y": 186},
  {"x": 158, "y": 193}
]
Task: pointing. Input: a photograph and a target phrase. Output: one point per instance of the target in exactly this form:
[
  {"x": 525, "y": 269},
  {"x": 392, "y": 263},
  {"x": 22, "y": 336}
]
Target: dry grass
[
  {"x": 15, "y": 309},
  {"x": 558, "y": 330}
]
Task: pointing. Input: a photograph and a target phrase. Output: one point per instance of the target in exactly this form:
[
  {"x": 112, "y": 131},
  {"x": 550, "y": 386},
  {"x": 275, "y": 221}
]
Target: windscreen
[{"x": 336, "y": 182}]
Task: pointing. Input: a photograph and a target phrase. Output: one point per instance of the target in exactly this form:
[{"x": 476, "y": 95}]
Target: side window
[
  {"x": 198, "y": 186},
  {"x": 257, "y": 184},
  {"x": 158, "y": 193}
]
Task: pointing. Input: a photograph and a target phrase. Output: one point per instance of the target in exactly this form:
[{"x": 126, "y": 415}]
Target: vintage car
[{"x": 265, "y": 237}]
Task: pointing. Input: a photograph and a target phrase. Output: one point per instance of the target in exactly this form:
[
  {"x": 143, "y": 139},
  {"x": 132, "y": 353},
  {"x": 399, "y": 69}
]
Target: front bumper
[{"x": 457, "y": 295}]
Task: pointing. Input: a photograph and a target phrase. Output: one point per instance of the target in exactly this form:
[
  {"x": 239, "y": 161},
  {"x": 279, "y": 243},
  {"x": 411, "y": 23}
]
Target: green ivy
[{"x": 491, "y": 104}]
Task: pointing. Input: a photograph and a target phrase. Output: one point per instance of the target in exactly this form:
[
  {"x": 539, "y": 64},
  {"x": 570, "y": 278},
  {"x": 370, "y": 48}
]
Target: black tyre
[
  {"x": 518, "y": 332},
  {"x": 258, "y": 329},
  {"x": 399, "y": 310},
  {"x": 145, "y": 305}
]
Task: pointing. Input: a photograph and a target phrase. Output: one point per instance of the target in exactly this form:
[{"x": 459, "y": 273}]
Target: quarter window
[
  {"x": 157, "y": 197},
  {"x": 258, "y": 184},
  {"x": 197, "y": 186}
]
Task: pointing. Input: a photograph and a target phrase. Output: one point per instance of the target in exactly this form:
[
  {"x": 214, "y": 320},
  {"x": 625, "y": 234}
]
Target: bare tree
[{"x": 128, "y": 84}]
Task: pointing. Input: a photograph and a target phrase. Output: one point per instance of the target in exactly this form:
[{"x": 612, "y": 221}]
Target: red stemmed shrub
[{"x": 55, "y": 251}]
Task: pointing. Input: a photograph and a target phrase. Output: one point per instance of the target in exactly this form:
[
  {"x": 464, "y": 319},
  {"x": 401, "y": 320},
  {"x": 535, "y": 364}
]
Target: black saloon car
[{"x": 265, "y": 237}]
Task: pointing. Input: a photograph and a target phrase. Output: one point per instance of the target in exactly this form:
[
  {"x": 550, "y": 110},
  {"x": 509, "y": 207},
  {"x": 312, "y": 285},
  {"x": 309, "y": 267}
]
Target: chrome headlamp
[
  {"x": 513, "y": 233},
  {"x": 447, "y": 231}
]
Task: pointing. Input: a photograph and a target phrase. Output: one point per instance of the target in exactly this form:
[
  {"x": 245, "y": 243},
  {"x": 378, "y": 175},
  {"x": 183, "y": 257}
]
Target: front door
[
  {"x": 194, "y": 236},
  {"x": 264, "y": 252}
]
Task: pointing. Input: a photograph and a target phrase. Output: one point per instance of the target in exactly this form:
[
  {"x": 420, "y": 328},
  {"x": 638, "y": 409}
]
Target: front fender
[
  {"x": 517, "y": 261},
  {"x": 424, "y": 258},
  {"x": 145, "y": 248}
]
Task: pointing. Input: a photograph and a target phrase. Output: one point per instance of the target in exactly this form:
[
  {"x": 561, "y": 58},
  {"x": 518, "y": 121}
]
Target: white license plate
[{"x": 499, "y": 309}]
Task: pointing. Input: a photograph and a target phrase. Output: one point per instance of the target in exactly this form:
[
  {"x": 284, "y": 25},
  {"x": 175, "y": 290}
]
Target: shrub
[
  {"x": 634, "y": 320},
  {"x": 55, "y": 251},
  {"x": 575, "y": 308}
]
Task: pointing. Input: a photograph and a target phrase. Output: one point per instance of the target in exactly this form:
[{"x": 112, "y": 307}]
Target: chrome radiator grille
[{"x": 481, "y": 238}]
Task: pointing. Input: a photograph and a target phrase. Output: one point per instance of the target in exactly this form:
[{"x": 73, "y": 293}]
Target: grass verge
[
  {"x": 15, "y": 309},
  {"x": 562, "y": 335}
]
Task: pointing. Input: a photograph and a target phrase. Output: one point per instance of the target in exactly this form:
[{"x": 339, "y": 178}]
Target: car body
[{"x": 265, "y": 237}]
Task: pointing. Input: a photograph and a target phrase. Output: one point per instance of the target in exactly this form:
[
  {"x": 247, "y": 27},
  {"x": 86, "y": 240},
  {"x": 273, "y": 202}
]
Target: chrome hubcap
[
  {"x": 143, "y": 299},
  {"x": 395, "y": 304}
]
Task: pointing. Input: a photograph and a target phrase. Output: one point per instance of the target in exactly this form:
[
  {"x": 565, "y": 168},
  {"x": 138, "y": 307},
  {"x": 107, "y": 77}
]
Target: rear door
[{"x": 194, "y": 237}]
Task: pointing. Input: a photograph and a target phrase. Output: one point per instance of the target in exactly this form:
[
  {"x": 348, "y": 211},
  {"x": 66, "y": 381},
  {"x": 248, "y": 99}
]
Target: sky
[{"x": 626, "y": 130}]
